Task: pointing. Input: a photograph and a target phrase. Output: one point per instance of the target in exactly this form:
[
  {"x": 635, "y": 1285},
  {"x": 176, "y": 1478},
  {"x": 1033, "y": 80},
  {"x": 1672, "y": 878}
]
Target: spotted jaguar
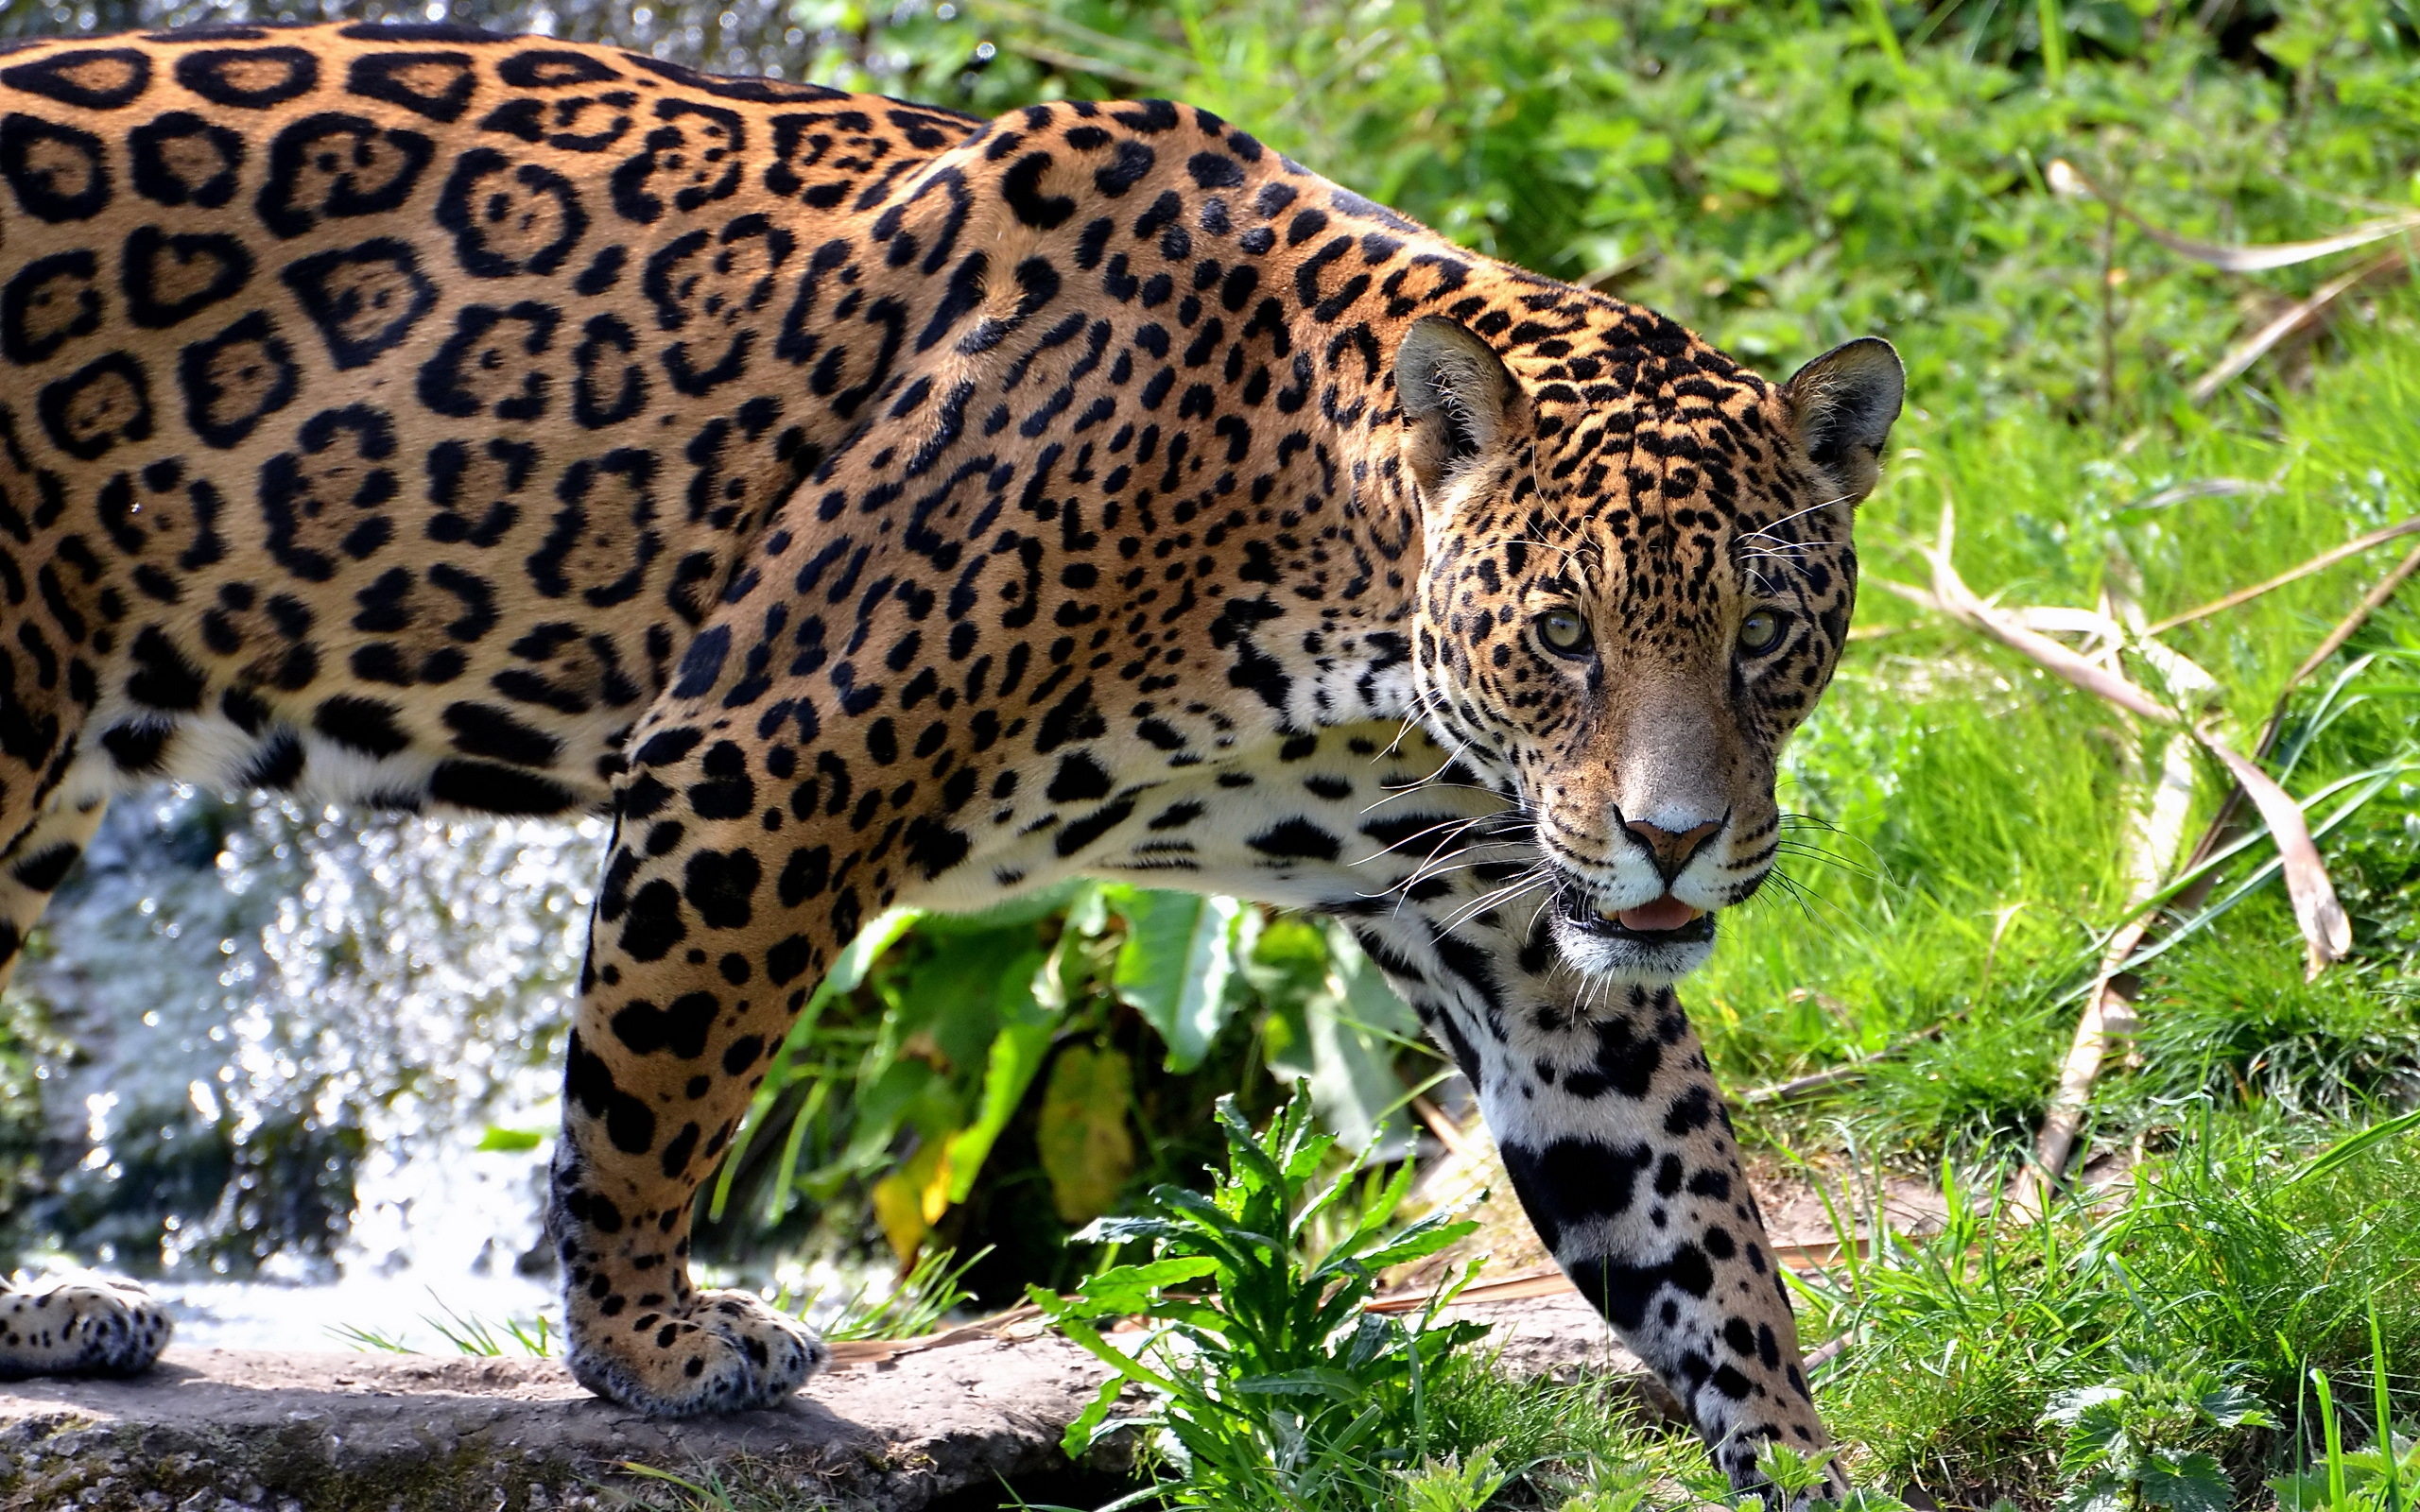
[{"x": 868, "y": 506}]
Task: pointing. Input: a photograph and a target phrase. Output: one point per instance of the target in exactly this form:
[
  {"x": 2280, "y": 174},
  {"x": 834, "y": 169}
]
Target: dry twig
[
  {"x": 2325, "y": 559},
  {"x": 2221, "y": 824},
  {"x": 2065, "y": 177},
  {"x": 2293, "y": 319},
  {"x": 2325, "y": 931}
]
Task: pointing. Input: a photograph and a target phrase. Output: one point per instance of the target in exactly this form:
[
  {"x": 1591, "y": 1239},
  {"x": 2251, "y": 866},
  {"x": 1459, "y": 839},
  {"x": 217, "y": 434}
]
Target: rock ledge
[{"x": 229, "y": 1431}]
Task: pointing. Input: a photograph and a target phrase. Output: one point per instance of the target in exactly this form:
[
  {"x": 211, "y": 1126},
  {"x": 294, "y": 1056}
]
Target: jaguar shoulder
[{"x": 871, "y": 506}]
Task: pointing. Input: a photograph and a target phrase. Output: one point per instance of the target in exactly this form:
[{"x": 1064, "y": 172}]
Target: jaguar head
[{"x": 1637, "y": 578}]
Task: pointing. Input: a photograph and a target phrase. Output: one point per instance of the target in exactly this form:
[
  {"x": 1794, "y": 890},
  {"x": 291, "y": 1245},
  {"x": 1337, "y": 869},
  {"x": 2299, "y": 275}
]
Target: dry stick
[
  {"x": 2292, "y": 574},
  {"x": 2325, "y": 931},
  {"x": 2109, "y": 1012},
  {"x": 2065, "y": 177},
  {"x": 1449, "y": 1133},
  {"x": 2222, "y": 826},
  {"x": 2295, "y": 319}
]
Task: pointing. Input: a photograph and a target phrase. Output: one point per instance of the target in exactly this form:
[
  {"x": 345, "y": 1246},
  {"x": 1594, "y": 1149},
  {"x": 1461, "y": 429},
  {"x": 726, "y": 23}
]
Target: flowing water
[{"x": 297, "y": 1068}]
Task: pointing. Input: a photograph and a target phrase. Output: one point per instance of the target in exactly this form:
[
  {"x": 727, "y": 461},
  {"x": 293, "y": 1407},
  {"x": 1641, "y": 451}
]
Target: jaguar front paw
[
  {"x": 81, "y": 1325},
  {"x": 726, "y": 1352}
]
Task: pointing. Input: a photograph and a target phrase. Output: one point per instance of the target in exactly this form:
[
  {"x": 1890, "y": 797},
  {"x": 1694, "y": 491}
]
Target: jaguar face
[{"x": 1637, "y": 576}]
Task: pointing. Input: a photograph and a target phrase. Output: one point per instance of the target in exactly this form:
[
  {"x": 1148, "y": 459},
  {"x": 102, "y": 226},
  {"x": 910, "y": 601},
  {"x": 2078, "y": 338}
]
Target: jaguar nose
[{"x": 1673, "y": 849}]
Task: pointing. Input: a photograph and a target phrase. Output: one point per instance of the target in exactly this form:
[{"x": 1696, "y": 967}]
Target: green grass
[{"x": 2236, "y": 1250}]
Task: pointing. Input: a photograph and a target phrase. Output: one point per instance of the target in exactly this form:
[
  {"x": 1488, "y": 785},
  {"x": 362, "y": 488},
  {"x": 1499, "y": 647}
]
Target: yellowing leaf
[
  {"x": 1085, "y": 1148},
  {"x": 908, "y": 1200}
]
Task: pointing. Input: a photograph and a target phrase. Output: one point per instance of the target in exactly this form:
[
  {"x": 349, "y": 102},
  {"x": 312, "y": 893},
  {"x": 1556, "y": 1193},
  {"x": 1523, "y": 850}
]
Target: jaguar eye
[
  {"x": 1761, "y": 631},
  {"x": 1563, "y": 631}
]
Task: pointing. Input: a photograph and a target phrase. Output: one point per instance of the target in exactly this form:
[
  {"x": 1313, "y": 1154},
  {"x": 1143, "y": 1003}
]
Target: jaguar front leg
[
  {"x": 1598, "y": 1094},
  {"x": 701, "y": 953},
  {"x": 1619, "y": 1148}
]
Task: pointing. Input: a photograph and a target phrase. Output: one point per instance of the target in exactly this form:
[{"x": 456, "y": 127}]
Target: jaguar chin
[{"x": 1654, "y": 944}]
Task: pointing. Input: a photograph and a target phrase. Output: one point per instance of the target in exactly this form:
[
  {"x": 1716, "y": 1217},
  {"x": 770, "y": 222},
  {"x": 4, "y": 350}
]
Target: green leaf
[
  {"x": 1418, "y": 1243},
  {"x": 849, "y": 968},
  {"x": 1017, "y": 1052},
  {"x": 1174, "y": 966},
  {"x": 2306, "y": 1492},
  {"x": 1126, "y": 1289},
  {"x": 1124, "y": 1231},
  {"x": 847, "y": 972},
  {"x": 2230, "y": 1405},
  {"x": 1316, "y": 1381},
  {"x": 2189, "y": 1481},
  {"x": 1078, "y": 1440},
  {"x": 2353, "y": 1146},
  {"x": 2102, "y": 1493},
  {"x": 513, "y": 1140}
]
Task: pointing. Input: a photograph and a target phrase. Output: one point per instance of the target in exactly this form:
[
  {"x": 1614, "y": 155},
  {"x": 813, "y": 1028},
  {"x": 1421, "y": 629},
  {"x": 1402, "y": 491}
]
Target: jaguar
[{"x": 867, "y": 506}]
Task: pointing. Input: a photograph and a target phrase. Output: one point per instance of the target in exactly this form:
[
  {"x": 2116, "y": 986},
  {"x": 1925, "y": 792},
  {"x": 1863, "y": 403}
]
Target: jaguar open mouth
[{"x": 1666, "y": 921}]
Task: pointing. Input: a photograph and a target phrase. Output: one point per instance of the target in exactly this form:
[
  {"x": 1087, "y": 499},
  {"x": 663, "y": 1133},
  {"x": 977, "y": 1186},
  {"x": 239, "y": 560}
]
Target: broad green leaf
[
  {"x": 1086, "y": 1151},
  {"x": 511, "y": 1140},
  {"x": 849, "y": 968},
  {"x": 2185, "y": 1482},
  {"x": 1354, "y": 1028},
  {"x": 1017, "y": 1052},
  {"x": 953, "y": 1000},
  {"x": 847, "y": 972},
  {"x": 2306, "y": 1492},
  {"x": 1174, "y": 966}
]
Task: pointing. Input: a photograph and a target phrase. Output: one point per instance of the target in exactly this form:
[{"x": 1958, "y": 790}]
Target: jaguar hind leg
[
  {"x": 35, "y": 861},
  {"x": 701, "y": 953},
  {"x": 79, "y": 1324}
]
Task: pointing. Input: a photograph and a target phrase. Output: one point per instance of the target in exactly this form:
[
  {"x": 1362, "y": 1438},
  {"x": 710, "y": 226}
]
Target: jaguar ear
[
  {"x": 1843, "y": 403},
  {"x": 1457, "y": 394}
]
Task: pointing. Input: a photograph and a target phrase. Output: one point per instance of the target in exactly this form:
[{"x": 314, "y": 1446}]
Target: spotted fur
[{"x": 869, "y": 506}]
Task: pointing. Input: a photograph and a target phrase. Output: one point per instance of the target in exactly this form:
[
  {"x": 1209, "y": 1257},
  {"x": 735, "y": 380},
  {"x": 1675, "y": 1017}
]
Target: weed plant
[{"x": 1272, "y": 1387}]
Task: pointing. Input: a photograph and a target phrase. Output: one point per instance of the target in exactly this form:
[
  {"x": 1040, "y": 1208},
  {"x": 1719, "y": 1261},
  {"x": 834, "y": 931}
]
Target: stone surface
[{"x": 219, "y": 1430}]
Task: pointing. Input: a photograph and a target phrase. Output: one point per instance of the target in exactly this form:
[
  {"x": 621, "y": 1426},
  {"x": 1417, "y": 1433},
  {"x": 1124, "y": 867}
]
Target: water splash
[{"x": 292, "y": 1031}]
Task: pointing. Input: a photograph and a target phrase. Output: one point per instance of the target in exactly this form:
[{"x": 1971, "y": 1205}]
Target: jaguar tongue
[{"x": 1667, "y": 912}]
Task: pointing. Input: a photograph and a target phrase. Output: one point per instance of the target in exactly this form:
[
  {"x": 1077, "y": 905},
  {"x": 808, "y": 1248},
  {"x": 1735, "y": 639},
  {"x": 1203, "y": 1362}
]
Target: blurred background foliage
[{"x": 1781, "y": 175}]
